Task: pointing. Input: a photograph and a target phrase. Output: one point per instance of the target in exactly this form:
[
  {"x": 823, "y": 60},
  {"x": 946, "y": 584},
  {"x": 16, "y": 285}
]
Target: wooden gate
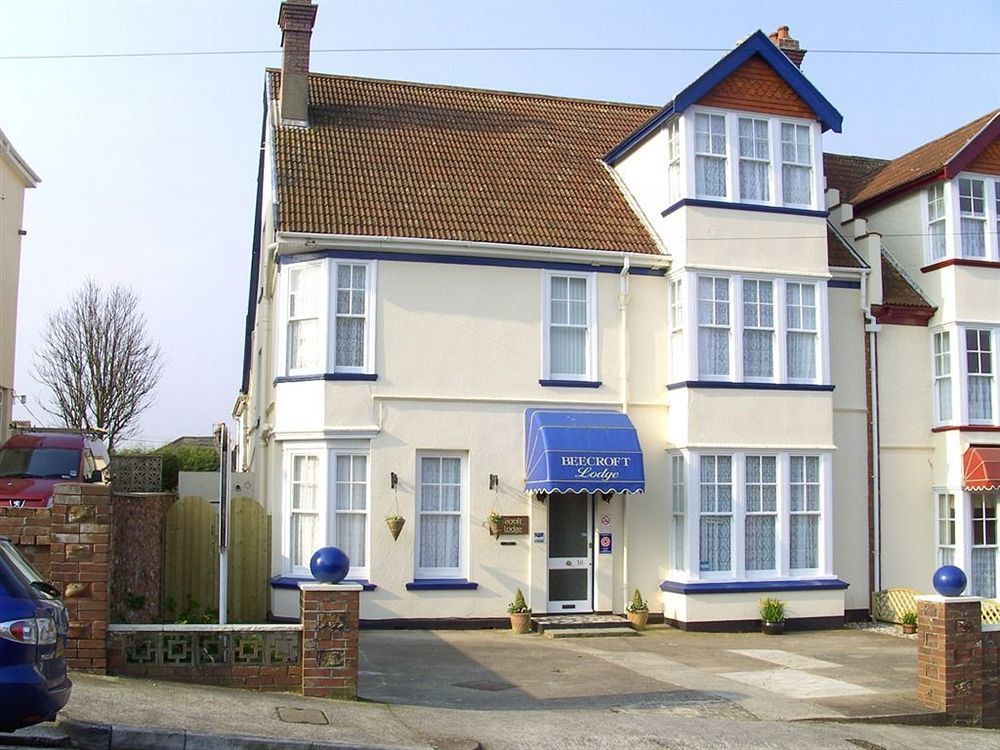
[{"x": 191, "y": 561}]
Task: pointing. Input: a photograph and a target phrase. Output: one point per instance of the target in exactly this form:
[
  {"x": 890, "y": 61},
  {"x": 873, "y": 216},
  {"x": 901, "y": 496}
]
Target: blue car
[{"x": 33, "y": 630}]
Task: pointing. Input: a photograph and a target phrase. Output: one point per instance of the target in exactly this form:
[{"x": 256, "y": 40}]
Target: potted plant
[
  {"x": 772, "y": 615},
  {"x": 637, "y": 611},
  {"x": 909, "y": 621},
  {"x": 520, "y": 614},
  {"x": 395, "y": 524},
  {"x": 494, "y": 524}
]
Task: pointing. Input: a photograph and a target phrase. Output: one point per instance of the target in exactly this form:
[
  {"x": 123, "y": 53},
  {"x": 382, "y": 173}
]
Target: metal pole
[{"x": 222, "y": 436}]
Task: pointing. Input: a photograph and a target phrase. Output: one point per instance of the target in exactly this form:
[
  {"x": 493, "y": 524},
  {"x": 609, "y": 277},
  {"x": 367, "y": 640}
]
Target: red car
[{"x": 33, "y": 462}]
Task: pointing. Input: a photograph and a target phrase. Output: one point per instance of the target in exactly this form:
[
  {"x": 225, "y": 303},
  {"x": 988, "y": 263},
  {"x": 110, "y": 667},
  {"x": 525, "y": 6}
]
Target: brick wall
[
  {"x": 959, "y": 662},
  {"x": 137, "y": 547},
  {"x": 329, "y": 640}
]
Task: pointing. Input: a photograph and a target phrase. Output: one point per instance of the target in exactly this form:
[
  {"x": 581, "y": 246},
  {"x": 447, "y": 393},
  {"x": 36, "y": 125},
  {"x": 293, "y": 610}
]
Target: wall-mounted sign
[
  {"x": 511, "y": 525},
  {"x": 604, "y": 543},
  {"x": 605, "y": 522},
  {"x": 539, "y": 537}
]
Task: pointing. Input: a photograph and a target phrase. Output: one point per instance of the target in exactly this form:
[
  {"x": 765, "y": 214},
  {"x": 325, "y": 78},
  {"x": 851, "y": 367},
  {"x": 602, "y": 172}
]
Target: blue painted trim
[
  {"x": 703, "y": 203},
  {"x": 571, "y": 383},
  {"x": 441, "y": 584},
  {"x": 843, "y": 284},
  {"x": 750, "y": 386},
  {"x": 292, "y": 582},
  {"x": 735, "y": 587},
  {"x": 756, "y": 44},
  {"x": 367, "y": 376},
  {"x": 469, "y": 260}
]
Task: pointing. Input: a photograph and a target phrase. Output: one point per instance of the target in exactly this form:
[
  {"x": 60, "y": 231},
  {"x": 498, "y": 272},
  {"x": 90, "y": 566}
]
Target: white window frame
[
  {"x": 678, "y": 513},
  {"x": 738, "y": 571},
  {"x": 724, "y": 156},
  {"x": 776, "y": 163},
  {"x": 953, "y": 216},
  {"x": 991, "y": 339},
  {"x": 367, "y": 353},
  {"x": 752, "y": 158},
  {"x": 797, "y": 162},
  {"x": 941, "y": 370},
  {"x": 806, "y": 512},
  {"x": 972, "y": 214},
  {"x": 745, "y": 327},
  {"x": 357, "y": 570},
  {"x": 936, "y": 213},
  {"x": 714, "y": 324},
  {"x": 979, "y": 500},
  {"x": 776, "y": 513},
  {"x": 675, "y": 161},
  {"x": 677, "y": 351},
  {"x": 590, "y": 356},
  {"x": 461, "y": 570},
  {"x": 714, "y": 512},
  {"x": 737, "y": 328},
  {"x": 317, "y": 452},
  {"x": 286, "y": 365},
  {"x": 946, "y": 528},
  {"x": 801, "y": 328}
]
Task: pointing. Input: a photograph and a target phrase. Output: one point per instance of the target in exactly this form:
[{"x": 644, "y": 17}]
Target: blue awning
[{"x": 581, "y": 451}]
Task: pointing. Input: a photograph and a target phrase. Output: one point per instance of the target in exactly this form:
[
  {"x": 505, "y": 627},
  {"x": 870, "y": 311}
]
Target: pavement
[{"x": 490, "y": 689}]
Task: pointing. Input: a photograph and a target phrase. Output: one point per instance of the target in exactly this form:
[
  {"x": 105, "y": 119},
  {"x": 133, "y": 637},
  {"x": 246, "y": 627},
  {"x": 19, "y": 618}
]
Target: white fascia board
[
  {"x": 334, "y": 433},
  {"x": 849, "y": 274},
  {"x": 700, "y": 267},
  {"x": 291, "y": 243},
  {"x": 16, "y": 161}
]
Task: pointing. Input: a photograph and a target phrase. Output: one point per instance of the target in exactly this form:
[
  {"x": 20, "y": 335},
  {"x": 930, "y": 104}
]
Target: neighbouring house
[
  {"x": 15, "y": 177},
  {"x": 580, "y": 347},
  {"x": 931, "y": 218}
]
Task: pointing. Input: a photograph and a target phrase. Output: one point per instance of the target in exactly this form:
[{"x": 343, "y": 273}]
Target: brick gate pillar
[
  {"x": 950, "y": 656},
  {"x": 79, "y": 566},
  {"x": 329, "y": 615}
]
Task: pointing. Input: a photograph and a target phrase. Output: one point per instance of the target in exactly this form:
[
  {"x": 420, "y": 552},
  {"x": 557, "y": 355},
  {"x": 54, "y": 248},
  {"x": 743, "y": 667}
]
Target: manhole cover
[
  {"x": 302, "y": 715},
  {"x": 866, "y": 745},
  {"x": 484, "y": 685}
]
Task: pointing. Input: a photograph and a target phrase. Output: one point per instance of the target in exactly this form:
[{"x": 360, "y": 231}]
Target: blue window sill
[
  {"x": 292, "y": 582},
  {"x": 738, "y": 587},
  {"x": 760, "y": 207},
  {"x": 441, "y": 584},
  {"x": 570, "y": 383},
  {"x": 367, "y": 376},
  {"x": 751, "y": 386}
]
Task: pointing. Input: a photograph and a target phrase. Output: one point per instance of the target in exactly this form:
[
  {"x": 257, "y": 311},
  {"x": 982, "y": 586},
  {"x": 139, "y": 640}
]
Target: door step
[{"x": 582, "y": 626}]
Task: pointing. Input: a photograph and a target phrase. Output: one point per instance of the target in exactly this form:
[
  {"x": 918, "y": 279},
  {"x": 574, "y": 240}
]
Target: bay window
[
  {"x": 758, "y": 516},
  {"x": 945, "y": 529},
  {"x": 570, "y": 320},
  {"x": 963, "y": 367},
  {"x": 970, "y": 205},
  {"x": 757, "y": 330},
  {"x": 329, "y": 311},
  {"x": 304, "y": 531},
  {"x": 441, "y": 500}
]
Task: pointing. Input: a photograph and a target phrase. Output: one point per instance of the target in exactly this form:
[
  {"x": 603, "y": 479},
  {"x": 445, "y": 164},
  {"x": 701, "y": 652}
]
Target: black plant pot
[{"x": 772, "y": 628}]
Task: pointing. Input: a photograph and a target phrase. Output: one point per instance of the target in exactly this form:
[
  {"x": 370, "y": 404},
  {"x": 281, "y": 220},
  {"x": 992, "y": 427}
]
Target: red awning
[{"x": 982, "y": 468}]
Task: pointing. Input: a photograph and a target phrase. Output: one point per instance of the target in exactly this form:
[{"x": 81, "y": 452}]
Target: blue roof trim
[
  {"x": 581, "y": 451},
  {"x": 292, "y": 582},
  {"x": 750, "y": 386},
  {"x": 367, "y": 376},
  {"x": 441, "y": 584},
  {"x": 756, "y": 44},
  {"x": 613, "y": 266},
  {"x": 703, "y": 203},
  {"x": 571, "y": 383},
  {"x": 843, "y": 284},
  {"x": 736, "y": 587}
]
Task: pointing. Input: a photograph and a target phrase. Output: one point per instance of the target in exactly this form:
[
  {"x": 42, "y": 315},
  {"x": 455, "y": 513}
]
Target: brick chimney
[
  {"x": 295, "y": 19},
  {"x": 788, "y": 45}
]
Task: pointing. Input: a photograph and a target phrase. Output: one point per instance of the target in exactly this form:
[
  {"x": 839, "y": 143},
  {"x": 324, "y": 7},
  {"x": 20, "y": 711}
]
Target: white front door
[{"x": 570, "y": 536}]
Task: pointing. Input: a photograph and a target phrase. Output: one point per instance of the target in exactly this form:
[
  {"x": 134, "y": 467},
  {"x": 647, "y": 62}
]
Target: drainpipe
[
  {"x": 623, "y": 344},
  {"x": 872, "y": 328}
]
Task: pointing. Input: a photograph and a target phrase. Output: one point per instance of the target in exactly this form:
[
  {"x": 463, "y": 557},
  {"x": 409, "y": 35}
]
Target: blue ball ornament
[
  {"x": 329, "y": 565},
  {"x": 949, "y": 580}
]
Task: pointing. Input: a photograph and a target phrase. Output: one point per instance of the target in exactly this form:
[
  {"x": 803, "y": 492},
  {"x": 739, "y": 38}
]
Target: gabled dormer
[{"x": 747, "y": 133}]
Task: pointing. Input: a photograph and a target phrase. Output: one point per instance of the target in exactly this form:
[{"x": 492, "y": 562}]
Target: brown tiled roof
[
  {"x": 921, "y": 163},
  {"x": 897, "y": 291},
  {"x": 848, "y": 173},
  {"x": 394, "y": 159},
  {"x": 839, "y": 254}
]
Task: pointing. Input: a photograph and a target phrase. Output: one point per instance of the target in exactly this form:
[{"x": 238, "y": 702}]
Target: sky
[{"x": 148, "y": 158}]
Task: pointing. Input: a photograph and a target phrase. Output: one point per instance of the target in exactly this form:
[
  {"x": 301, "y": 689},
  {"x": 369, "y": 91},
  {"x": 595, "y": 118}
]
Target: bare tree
[{"x": 99, "y": 362}]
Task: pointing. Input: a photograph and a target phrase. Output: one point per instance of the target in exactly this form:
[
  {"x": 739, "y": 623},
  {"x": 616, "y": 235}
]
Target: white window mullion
[
  {"x": 739, "y": 516},
  {"x": 783, "y": 515}
]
